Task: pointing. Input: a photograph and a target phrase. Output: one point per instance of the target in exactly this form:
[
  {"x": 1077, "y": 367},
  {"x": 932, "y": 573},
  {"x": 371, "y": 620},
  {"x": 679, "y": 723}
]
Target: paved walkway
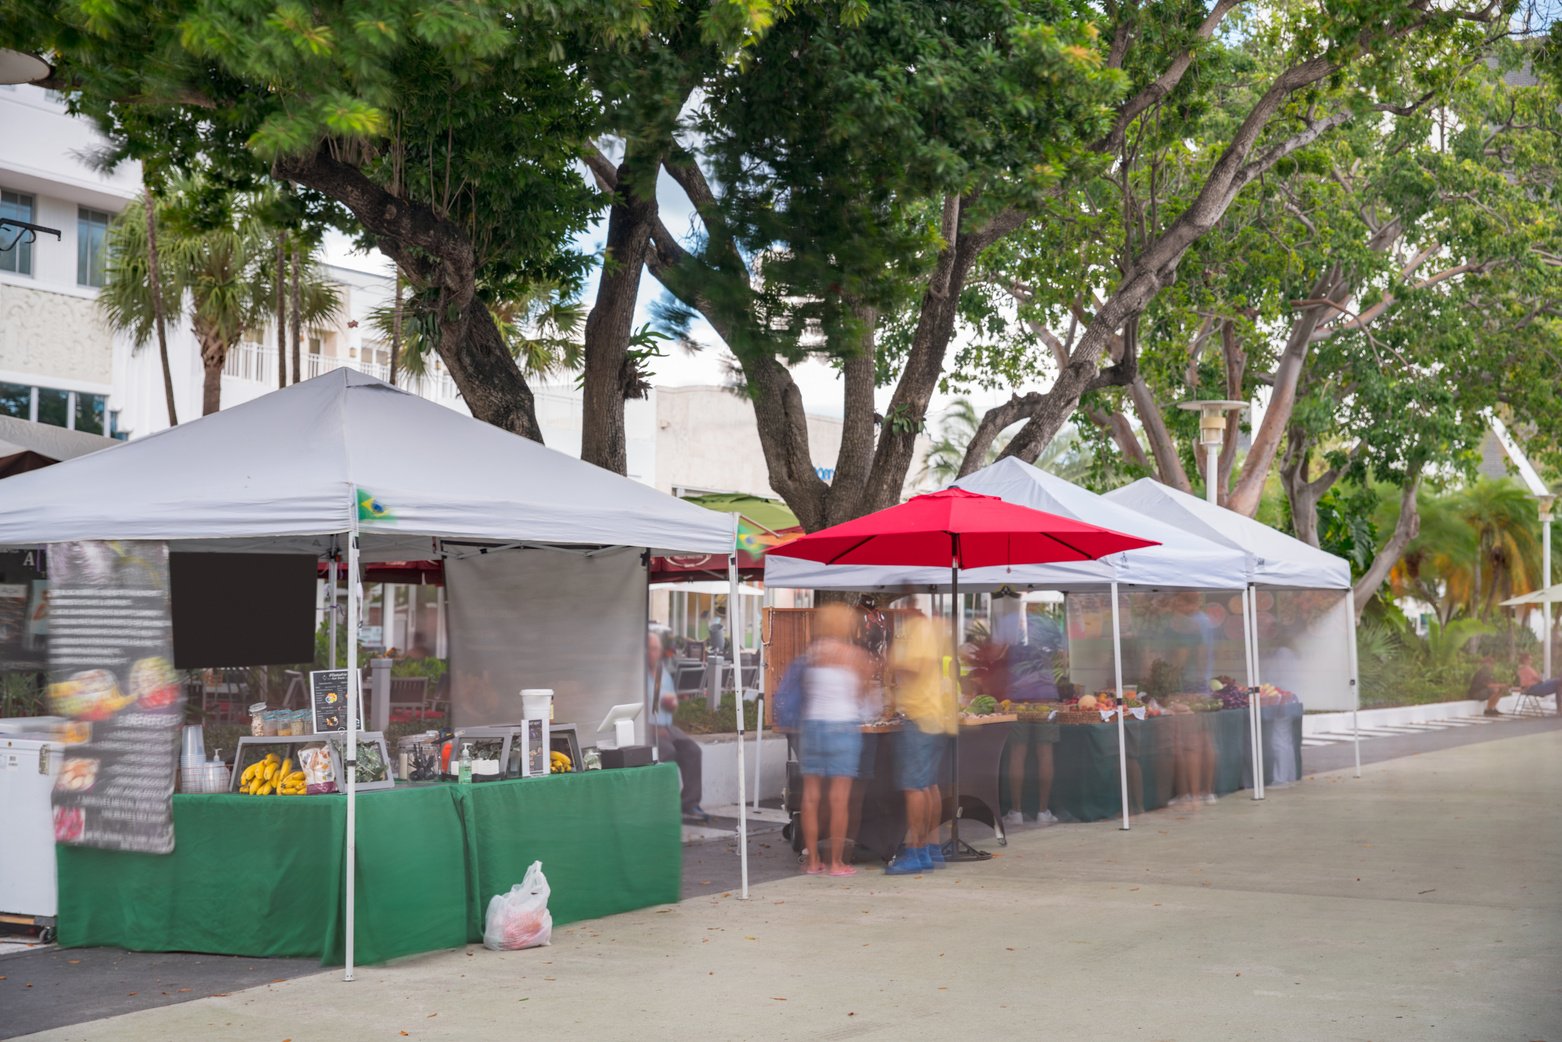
[{"x": 1422, "y": 901}]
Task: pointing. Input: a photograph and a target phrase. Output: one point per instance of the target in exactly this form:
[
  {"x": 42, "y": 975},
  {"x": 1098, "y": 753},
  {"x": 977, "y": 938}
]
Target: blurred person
[
  {"x": 671, "y": 742},
  {"x": 1529, "y": 681},
  {"x": 921, "y": 695},
  {"x": 1484, "y": 686},
  {"x": 1032, "y": 679},
  {"x": 835, "y": 696},
  {"x": 717, "y": 631}
]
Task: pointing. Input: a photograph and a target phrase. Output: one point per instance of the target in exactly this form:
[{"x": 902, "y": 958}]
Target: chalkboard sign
[{"x": 328, "y": 690}]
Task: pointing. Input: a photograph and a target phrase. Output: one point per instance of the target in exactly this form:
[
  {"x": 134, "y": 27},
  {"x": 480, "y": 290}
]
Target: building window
[
  {"x": 19, "y": 258},
  {"x": 91, "y": 246},
  {"x": 90, "y": 409},
  {"x": 16, "y": 400},
  {"x": 54, "y": 407}
]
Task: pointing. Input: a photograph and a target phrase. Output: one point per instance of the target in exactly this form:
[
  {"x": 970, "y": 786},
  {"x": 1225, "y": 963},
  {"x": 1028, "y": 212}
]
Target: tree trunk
[
  {"x": 297, "y": 318},
  {"x": 433, "y": 252},
  {"x": 155, "y": 284},
  {"x": 214, "y": 353},
  {"x": 610, "y": 324},
  {"x": 1405, "y": 531},
  {"x": 1236, "y": 365},
  {"x": 281, "y": 309},
  {"x": 395, "y": 358}
]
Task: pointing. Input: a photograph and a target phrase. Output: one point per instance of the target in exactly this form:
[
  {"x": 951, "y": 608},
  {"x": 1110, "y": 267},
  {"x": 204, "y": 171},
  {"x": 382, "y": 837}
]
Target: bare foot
[{"x": 843, "y": 870}]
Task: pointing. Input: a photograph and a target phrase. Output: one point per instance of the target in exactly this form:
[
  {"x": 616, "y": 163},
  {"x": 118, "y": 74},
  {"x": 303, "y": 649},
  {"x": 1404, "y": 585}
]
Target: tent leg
[
  {"x": 331, "y": 609},
  {"x": 1258, "y": 710},
  {"x": 1355, "y": 685},
  {"x": 1117, "y": 677},
  {"x": 735, "y": 626},
  {"x": 350, "y": 763},
  {"x": 1254, "y": 731}
]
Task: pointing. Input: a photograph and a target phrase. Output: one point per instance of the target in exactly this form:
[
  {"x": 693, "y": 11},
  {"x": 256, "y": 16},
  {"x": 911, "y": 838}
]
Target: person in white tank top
[{"x": 835, "y": 687}]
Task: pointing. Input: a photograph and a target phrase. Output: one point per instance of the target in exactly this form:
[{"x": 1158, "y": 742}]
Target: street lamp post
[
  {"x": 1212, "y": 431},
  {"x": 1546, "y": 503}
]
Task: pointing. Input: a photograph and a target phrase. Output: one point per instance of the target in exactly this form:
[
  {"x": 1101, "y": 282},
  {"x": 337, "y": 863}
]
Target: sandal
[{"x": 844, "y": 870}]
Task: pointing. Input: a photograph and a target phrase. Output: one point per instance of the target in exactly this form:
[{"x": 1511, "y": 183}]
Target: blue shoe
[
  {"x": 925, "y": 859},
  {"x": 935, "y": 854},
  {"x": 905, "y": 863}
]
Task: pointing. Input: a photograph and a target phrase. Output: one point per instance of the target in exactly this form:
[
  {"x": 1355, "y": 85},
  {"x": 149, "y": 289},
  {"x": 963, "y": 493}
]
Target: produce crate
[{"x": 370, "y": 745}]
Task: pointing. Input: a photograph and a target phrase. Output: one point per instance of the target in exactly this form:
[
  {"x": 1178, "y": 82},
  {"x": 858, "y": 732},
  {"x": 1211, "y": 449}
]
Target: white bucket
[{"x": 537, "y": 703}]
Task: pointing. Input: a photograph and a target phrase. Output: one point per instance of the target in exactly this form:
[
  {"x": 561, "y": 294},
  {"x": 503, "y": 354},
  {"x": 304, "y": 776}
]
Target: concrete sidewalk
[{"x": 1423, "y": 901}]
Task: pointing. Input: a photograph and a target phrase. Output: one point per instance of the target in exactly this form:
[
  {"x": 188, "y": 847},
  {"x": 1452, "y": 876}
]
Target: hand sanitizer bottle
[{"x": 464, "y": 772}]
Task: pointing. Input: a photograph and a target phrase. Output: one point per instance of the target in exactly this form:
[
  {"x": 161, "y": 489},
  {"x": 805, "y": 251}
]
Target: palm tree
[
  {"x": 1503, "y": 517},
  {"x": 541, "y": 328},
  {"x": 219, "y": 273},
  {"x": 1063, "y": 456}
]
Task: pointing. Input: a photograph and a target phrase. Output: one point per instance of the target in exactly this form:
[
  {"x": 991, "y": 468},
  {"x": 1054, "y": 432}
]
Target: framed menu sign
[{"x": 328, "y": 690}]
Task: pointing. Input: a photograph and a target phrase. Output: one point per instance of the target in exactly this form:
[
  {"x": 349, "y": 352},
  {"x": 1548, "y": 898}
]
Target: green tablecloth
[
  {"x": 1086, "y": 784},
  {"x": 263, "y": 876}
]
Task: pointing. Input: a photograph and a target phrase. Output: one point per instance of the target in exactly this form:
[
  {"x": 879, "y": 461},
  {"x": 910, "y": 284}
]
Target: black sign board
[
  {"x": 112, "y": 674},
  {"x": 328, "y": 690}
]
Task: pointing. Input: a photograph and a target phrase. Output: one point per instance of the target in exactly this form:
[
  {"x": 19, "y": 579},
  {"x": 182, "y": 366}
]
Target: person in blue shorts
[
  {"x": 835, "y": 695},
  {"x": 922, "y": 696}
]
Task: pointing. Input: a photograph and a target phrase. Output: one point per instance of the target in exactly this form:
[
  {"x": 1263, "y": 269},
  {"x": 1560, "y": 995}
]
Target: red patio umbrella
[{"x": 962, "y": 530}]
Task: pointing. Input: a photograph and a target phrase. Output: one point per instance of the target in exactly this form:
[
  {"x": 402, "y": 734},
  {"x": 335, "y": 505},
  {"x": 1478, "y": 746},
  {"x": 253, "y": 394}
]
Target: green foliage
[
  {"x": 21, "y": 694},
  {"x": 1445, "y": 642},
  {"x": 694, "y": 716},
  {"x": 432, "y": 668}
]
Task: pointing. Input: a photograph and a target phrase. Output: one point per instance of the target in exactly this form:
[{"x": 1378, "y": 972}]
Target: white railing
[{"x": 258, "y": 363}]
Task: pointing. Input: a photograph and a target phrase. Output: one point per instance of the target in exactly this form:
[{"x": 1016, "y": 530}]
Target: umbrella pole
[
  {"x": 1117, "y": 675},
  {"x": 956, "y": 850},
  {"x": 1355, "y": 680}
]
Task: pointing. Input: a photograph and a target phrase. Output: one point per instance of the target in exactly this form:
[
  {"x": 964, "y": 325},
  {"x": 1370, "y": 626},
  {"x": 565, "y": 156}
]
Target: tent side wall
[{"x": 546, "y": 619}]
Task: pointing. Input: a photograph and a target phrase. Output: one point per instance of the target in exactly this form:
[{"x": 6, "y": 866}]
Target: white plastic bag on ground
[{"x": 520, "y": 918}]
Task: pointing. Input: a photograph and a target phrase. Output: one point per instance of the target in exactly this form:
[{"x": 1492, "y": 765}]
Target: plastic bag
[{"x": 520, "y": 918}]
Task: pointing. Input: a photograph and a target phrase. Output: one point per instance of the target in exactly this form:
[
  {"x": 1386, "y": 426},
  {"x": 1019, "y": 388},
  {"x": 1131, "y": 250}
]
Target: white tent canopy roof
[
  {"x": 1273, "y": 558},
  {"x": 1182, "y": 560},
  {"x": 284, "y": 472},
  {"x": 56, "y": 443}
]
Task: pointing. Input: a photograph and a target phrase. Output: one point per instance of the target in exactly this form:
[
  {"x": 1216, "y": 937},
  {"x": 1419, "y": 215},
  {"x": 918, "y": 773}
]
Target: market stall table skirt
[{"x": 262, "y": 876}]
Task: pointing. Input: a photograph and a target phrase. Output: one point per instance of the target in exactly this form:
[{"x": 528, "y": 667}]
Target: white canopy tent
[
  {"x": 1183, "y": 560},
  {"x": 1274, "y": 561},
  {"x": 46, "y": 442},
  {"x": 347, "y": 464}
]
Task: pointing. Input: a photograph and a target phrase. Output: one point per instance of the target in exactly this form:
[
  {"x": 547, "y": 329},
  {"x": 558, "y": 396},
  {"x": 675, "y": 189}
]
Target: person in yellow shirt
[{"x": 923, "y": 695}]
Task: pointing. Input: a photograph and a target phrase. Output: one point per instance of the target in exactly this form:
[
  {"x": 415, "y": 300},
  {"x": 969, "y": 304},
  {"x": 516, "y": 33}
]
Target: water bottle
[{"x": 464, "y": 772}]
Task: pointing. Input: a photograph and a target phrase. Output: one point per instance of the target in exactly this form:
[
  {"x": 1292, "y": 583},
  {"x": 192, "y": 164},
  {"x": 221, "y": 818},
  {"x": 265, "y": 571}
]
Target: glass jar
[{"x": 257, "y": 720}]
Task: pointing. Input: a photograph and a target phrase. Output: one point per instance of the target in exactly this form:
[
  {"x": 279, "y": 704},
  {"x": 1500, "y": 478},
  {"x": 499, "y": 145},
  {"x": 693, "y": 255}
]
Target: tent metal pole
[
  {"x": 1258, "y": 710},
  {"x": 1355, "y": 680},
  {"x": 735, "y": 625},
  {"x": 1117, "y": 679},
  {"x": 331, "y": 610},
  {"x": 759, "y": 731},
  {"x": 350, "y": 765},
  {"x": 1254, "y": 731}
]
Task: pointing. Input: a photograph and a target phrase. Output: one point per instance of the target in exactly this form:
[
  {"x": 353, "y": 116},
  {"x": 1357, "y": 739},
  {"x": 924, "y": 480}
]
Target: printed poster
[{"x": 111, "y": 673}]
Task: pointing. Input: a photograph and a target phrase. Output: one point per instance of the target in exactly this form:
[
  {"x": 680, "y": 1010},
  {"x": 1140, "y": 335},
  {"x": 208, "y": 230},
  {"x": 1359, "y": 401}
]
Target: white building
[{"x": 56, "y": 355}]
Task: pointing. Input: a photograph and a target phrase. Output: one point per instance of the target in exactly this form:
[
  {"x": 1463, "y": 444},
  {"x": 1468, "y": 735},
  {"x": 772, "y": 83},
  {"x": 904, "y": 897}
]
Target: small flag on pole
[{"x": 370, "y": 508}]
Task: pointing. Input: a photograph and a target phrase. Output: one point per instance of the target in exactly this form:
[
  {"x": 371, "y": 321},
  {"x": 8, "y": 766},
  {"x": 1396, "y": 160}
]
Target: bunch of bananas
[
  {"x": 559, "y": 763},
  {"x": 272, "y": 775}
]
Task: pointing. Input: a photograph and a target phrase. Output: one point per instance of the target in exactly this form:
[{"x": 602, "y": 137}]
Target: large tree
[{"x": 849, "y": 181}]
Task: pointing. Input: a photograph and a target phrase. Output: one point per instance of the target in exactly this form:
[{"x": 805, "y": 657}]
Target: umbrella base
[{"x": 959, "y": 850}]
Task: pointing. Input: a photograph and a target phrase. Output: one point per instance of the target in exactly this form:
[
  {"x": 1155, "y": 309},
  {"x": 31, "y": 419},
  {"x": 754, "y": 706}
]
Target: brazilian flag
[{"x": 371, "y": 508}]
